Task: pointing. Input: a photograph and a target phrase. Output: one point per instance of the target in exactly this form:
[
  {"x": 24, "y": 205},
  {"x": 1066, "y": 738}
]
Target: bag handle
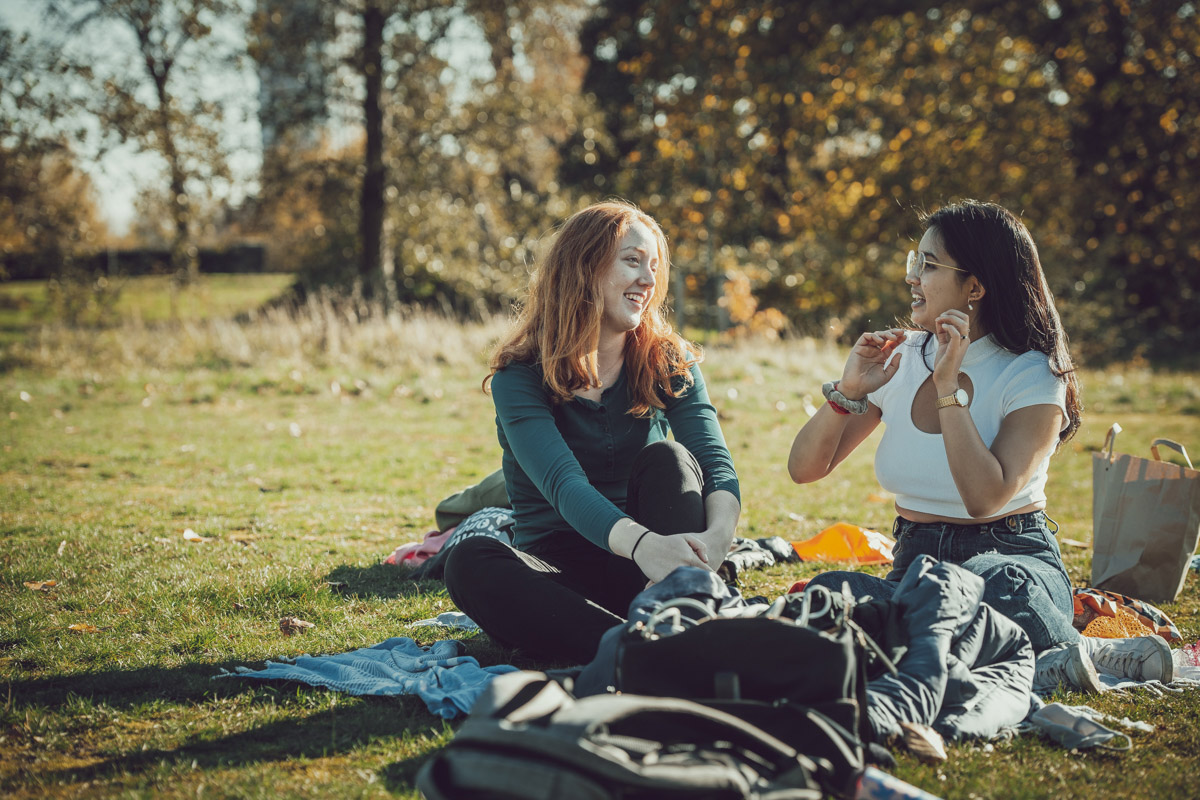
[
  {"x": 1176, "y": 446},
  {"x": 1110, "y": 441}
]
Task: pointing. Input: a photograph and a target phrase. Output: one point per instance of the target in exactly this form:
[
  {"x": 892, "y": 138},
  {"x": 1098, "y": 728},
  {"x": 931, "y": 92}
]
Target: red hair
[{"x": 558, "y": 327}]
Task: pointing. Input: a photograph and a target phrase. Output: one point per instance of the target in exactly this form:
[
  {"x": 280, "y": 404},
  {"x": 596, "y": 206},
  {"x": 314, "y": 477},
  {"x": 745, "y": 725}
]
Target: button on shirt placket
[{"x": 608, "y": 438}]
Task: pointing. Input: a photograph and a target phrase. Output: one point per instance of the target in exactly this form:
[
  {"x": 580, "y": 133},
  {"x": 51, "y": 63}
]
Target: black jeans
[{"x": 558, "y": 599}]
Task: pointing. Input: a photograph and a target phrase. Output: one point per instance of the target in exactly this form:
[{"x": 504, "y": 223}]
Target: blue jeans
[{"x": 1017, "y": 557}]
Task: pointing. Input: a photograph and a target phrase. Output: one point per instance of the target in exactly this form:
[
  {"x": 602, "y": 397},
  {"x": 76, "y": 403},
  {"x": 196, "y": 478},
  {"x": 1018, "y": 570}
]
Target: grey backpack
[{"x": 528, "y": 738}]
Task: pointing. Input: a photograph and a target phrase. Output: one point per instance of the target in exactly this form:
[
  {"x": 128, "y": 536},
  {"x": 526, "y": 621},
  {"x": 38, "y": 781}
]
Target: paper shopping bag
[{"x": 1145, "y": 521}]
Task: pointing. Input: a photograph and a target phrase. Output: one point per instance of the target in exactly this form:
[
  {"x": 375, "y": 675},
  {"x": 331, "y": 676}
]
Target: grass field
[{"x": 302, "y": 452}]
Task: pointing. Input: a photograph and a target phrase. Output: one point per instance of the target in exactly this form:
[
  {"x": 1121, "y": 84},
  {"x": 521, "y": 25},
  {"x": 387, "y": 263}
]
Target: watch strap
[{"x": 949, "y": 400}]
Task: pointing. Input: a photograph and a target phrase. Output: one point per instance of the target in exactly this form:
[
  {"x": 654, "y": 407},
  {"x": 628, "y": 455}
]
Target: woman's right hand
[
  {"x": 657, "y": 555},
  {"x": 867, "y": 369}
]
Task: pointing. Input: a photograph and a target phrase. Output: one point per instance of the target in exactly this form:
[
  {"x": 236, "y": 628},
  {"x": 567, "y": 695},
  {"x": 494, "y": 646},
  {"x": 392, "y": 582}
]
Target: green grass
[
  {"x": 113, "y": 444},
  {"x": 148, "y": 297}
]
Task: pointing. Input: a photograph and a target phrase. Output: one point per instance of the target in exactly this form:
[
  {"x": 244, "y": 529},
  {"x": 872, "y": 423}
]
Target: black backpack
[
  {"x": 528, "y": 738},
  {"x": 796, "y": 669}
]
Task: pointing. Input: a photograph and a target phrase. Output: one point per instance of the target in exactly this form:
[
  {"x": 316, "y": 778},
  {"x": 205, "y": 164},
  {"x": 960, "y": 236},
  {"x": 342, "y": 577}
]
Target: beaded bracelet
[{"x": 840, "y": 402}]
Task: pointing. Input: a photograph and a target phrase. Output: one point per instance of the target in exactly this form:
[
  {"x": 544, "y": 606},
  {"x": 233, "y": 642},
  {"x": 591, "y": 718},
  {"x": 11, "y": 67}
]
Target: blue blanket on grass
[{"x": 439, "y": 674}]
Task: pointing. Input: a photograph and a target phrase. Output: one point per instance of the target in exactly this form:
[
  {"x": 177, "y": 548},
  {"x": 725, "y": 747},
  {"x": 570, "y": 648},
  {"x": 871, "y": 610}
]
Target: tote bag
[{"x": 1145, "y": 521}]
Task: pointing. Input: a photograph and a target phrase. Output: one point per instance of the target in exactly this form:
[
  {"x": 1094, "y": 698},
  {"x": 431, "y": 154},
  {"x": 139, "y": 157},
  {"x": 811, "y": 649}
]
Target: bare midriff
[{"x": 917, "y": 516}]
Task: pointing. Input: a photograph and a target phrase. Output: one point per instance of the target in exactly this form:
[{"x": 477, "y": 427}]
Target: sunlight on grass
[{"x": 301, "y": 448}]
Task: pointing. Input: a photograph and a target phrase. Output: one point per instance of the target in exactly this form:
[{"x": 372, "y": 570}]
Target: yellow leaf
[
  {"x": 83, "y": 627},
  {"x": 40, "y": 586},
  {"x": 191, "y": 536}
]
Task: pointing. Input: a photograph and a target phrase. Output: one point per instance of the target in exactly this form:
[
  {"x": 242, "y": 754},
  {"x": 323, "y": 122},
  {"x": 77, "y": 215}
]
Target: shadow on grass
[
  {"x": 401, "y": 776},
  {"x": 379, "y": 581},
  {"x": 324, "y": 734},
  {"x": 122, "y": 689}
]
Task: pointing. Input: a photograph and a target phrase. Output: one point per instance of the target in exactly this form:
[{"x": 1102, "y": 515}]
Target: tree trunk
[
  {"x": 371, "y": 206},
  {"x": 184, "y": 264}
]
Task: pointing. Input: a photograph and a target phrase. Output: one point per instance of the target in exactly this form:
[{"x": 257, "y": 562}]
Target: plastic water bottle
[
  {"x": 1187, "y": 661},
  {"x": 875, "y": 784}
]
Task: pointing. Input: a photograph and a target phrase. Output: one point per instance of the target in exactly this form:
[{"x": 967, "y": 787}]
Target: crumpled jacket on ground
[{"x": 967, "y": 671}]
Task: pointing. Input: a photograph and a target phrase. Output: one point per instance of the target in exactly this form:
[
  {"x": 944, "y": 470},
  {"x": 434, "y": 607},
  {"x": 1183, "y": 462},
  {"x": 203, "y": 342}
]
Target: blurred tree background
[{"x": 417, "y": 151}]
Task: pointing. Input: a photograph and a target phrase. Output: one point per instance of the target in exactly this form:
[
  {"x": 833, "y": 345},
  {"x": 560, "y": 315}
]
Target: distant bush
[{"x": 239, "y": 259}]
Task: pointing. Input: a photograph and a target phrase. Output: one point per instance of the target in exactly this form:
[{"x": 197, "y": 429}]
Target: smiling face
[
  {"x": 938, "y": 289},
  {"x": 627, "y": 285}
]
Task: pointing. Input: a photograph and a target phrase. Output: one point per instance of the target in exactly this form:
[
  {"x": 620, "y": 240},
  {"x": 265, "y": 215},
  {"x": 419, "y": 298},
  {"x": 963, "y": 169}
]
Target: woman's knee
[
  {"x": 1024, "y": 580},
  {"x": 666, "y": 457},
  {"x": 666, "y": 489}
]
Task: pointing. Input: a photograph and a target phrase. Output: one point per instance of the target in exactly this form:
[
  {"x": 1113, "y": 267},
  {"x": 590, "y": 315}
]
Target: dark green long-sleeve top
[{"x": 566, "y": 465}]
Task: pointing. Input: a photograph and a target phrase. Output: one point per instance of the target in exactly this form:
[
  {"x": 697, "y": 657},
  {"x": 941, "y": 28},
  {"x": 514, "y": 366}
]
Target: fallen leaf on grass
[
  {"x": 291, "y": 625},
  {"x": 83, "y": 627},
  {"x": 191, "y": 536},
  {"x": 877, "y": 498},
  {"x": 238, "y": 606},
  {"x": 40, "y": 586},
  {"x": 1074, "y": 543},
  {"x": 924, "y": 742}
]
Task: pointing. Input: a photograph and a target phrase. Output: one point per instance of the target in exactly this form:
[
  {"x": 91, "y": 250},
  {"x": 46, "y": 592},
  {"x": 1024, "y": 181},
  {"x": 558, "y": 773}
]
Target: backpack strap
[{"x": 609, "y": 746}]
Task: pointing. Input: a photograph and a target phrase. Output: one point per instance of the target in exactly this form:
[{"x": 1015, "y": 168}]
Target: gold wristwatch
[{"x": 959, "y": 398}]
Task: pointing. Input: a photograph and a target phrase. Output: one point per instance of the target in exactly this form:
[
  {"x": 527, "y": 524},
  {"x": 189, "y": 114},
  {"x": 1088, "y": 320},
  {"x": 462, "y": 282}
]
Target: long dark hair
[{"x": 992, "y": 244}]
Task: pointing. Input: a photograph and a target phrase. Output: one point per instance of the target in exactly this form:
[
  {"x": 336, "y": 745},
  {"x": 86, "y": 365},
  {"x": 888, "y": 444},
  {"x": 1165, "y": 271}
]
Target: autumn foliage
[{"x": 810, "y": 135}]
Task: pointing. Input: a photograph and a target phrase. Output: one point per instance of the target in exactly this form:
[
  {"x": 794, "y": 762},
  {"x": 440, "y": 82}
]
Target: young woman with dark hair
[
  {"x": 586, "y": 386},
  {"x": 974, "y": 399}
]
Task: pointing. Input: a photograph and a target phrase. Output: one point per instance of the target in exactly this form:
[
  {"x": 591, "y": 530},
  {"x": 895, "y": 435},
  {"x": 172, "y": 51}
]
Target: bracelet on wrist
[
  {"x": 840, "y": 402},
  {"x": 635, "y": 544},
  {"x": 837, "y": 409}
]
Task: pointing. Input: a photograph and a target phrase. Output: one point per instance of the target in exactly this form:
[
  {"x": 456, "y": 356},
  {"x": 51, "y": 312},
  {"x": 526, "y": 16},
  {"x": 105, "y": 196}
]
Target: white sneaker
[
  {"x": 1066, "y": 665},
  {"x": 1141, "y": 658}
]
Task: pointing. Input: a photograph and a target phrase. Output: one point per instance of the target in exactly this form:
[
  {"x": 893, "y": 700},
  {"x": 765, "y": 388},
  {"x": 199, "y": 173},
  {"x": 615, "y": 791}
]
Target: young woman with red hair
[{"x": 586, "y": 385}]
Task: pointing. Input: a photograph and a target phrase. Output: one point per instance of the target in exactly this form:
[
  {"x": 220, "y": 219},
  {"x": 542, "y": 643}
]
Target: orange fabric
[
  {"x": 1124, "y": 625},
  {"x": 1092, "y": 604},
  {"x": 846, "y": 542}
]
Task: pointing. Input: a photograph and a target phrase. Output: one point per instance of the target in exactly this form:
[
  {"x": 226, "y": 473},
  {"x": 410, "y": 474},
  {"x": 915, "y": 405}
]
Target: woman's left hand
[
  {"x": 717, "y": 542},
  {"x": 953, "y": 331}
]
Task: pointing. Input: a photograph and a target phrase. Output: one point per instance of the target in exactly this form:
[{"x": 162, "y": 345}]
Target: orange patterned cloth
[{"x": 1111, "y": 615}]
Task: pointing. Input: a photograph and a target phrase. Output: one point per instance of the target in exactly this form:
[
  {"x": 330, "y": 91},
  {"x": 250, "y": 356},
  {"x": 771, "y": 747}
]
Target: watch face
[{"x": 961, "y": 397}]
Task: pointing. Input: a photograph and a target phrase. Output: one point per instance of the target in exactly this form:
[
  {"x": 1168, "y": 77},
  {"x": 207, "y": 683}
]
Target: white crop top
[{"x": 912, "y": 464}]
